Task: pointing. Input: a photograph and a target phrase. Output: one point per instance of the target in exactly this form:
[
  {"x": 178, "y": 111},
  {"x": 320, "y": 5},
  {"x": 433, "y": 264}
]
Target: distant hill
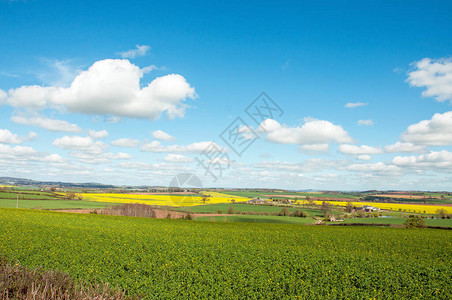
[{"x": 29, "y": 182}]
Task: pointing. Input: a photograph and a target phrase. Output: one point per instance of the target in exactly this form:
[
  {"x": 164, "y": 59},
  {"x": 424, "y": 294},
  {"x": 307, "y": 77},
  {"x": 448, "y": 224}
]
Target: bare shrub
[
  {"x": 299, "y": 213},
  {"x": 349, "y": 207},
  {"x": 19, "y": 282},
  {"x": 284, "y": 212},
  {"x": 130, "y": 210},
  {"x": 187, "y": 217}
]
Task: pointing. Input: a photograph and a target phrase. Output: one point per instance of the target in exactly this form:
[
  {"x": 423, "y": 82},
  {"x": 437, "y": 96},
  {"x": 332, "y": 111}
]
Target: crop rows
[{"x": 159, "y": 258}]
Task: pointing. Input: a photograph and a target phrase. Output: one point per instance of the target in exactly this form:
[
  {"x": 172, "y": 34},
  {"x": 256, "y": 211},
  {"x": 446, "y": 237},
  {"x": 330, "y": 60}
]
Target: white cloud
[
  {"x": 90, "y": 158},
  {"x": 73, "y": 142},
  {"x": 310, "y": 165},
  {"x": 112, "y": 119},
  {"x": 365, "y": 122},
  {"x": 163, "y": 136},
  {"x": 177, "y": 158},
  {"x": 120, "y": 155},
  {"x": 59, "y": 73},
  {"x": 404, "y": 147},
  {"x": 80, "y": 144},
  {"x": 375, "y": 168},
  {"x": 138, "y": 51},
  {"x": 110, "y": 87},
  {"x": 155, "y": 146},
  {"x": 54, "y": 158},
  {"x": 434, "y": 132},
  {"x": 435, "y": 76},
  {"x": 3, "y": 96},
  {"x": 125, "y": 143},
  {"x": 247, "y": 132},
  {"x": 16, "y": 150},
  {"x": 433, "y": 160},
  {"x": 46, "y": 123},
  {"x": 359, "y": 150},
  {"x": 315, "y": 148},
  {"x": 98, "y": 134},
  {"x": 354, "y": 104},
  {"x": 364, "y": 157},
  {"x": 7, "y": 137},
  {"x": 311, "y": 132}
]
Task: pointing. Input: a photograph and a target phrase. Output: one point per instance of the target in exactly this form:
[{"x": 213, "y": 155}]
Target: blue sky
[{"x": 137, "y": 92}]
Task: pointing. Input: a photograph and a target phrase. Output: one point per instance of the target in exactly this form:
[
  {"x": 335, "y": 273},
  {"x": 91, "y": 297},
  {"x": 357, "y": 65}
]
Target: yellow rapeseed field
[
  {"x": 164, "y": 200},
  {"x": 418, "y": 208}
]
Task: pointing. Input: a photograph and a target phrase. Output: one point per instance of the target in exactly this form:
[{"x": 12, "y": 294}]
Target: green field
[
  {"x": 258, "y": 219},
  {"x": 29, "y": 195},
  {"x": 160, "y": 258},
  {"x": 53, "y": 204},
  {"x": 399, "y": 221},
  {"x": 213, "y": 208}
]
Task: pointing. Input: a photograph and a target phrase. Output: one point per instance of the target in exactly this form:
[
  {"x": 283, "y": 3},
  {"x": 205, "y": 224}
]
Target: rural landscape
[
  {"x": 160, "y": 242},
  {"x": 225, "y": 150}
]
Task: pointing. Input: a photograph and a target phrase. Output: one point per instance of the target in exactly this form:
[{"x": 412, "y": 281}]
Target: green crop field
[
  {"x": 258, "y": 219},
  {"x": 214, "y": 208},
  {"x": 29, "y": 195},
  {"x": 161, "y": 258},
  {"x": 399, "y": 221},
  {"x": 53, "y": 204}
]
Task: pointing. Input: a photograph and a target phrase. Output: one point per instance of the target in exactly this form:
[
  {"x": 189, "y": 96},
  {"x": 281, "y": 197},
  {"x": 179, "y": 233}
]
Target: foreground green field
[
  {"x": 160, "y": 258},
  {"x": 400, "y": 221}
]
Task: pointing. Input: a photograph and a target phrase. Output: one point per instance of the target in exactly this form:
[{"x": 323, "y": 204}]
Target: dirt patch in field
[
  {"x": 160, "y": 213},
  {"x": 334, "y": 199},
  {"x": 286, "y": 196},
  {"x": 163, "y": 193},
  {"x": 404, "y": 196}
]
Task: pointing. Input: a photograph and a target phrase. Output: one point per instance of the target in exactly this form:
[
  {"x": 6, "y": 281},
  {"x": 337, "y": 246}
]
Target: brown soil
[
  {"x": 286, "y": 196},
  {"x": 163, "y": 193},
  {"x": 160, "y": 213}
]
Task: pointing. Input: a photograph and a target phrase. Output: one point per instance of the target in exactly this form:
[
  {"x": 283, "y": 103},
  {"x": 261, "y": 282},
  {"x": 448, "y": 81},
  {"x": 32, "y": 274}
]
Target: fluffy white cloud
[
  {"x": 138, "y": 51},
  {"x": 374, "y": 168},
  {"x": 404, "y": 147},
  {"x": 163, "y": 136},
  {"x": 125, "y": 143},
  {"x": 434, "y": 132},
  {"x": 354, "y": 104},
  {"x": 46, "y": 123},
  {"x": 433, "y": 160},
  {"x": 311, "y": 132},
  {"x": 155, "y": 146},
  {"x": 111, "y": 87},
  {"x": 98, "y": 134},
  {"x": 16, "y": 150},
  {"x": 315, "y": 148},
  {"x": 120, "y": 155},
  {"x": 365, "y": 122},
  {"x": 177, "y": 158},
  {"x": 7, "y": 137},
  {"x": 435, "y": 76},
  {"x": 310, "y": 165},
  {"x": 364, "y": 157},
  {"x": 80, "y": 144},
  {"x": 359, "y": 150},
  {"x": 73, "y": 142},
  {"x": 3, "y": 96}
]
